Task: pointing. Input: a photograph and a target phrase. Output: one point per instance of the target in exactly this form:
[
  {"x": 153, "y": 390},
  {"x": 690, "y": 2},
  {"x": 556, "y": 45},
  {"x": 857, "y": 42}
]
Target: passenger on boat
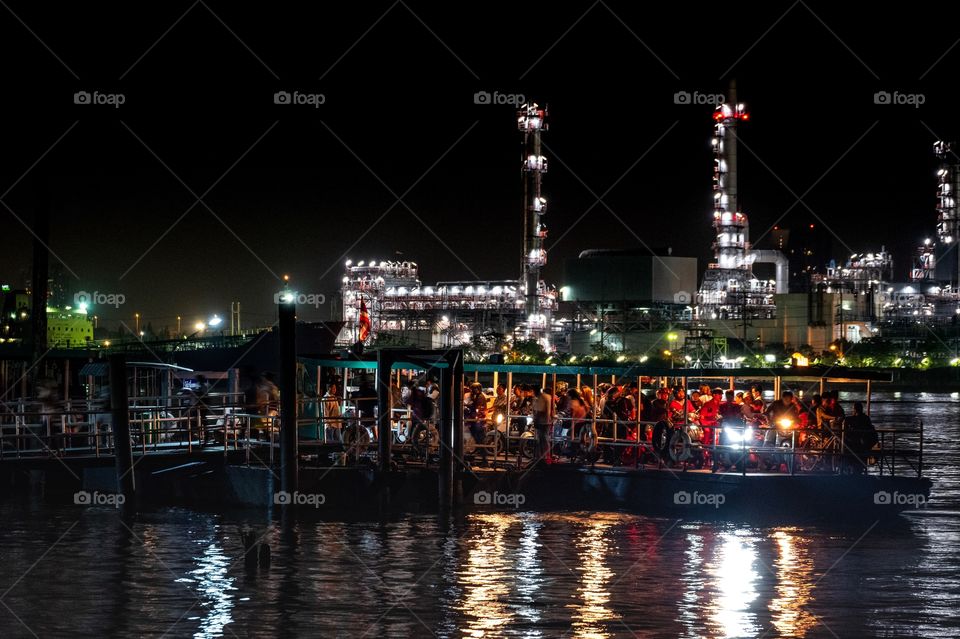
[
  {"x": 578, "y": 413},
  {"x": 475, "y": 412},
  {"x": 680, "y": 407},
  {"x": 332, "y": 415},
  {"x": 860, "y": 437},
  {"x": 433, "y": 394},
  {"x": 500, "y": 403},
  {"x": 783, "y": 418},
  {"x": 829, "y": 413},
  {"x": 660, "y": 416},
  {"x": 710, "y": 414},
  {"x": 586, "y": 395},
  {"x": 695, "y": 399},
  {"x": 738, "y": 398},
  {"x": 732, "y": 432},
  {"x": 543, "y": 414}
]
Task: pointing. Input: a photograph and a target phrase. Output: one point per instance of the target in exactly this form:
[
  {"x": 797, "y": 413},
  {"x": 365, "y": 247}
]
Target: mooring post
[
  {"x": 289, "y": 456},
  {"x": 456, "y": 372},
  {"x": 122, "y": 446},
  {"x": 384, "y": 410},
  {"x": 446, "y": 436}
]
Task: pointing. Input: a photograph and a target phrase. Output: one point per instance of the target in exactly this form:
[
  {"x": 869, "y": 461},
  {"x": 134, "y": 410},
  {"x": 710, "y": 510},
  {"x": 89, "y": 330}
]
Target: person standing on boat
[
  {"x": 783, "y": 417},
  {"x": 710, "y": 414},
  {"x": 861, "y": 437},
  {"x": 543, "y": 412},
  {"x": 332, "y": 414},
  {"x": 433, "y": 394}
]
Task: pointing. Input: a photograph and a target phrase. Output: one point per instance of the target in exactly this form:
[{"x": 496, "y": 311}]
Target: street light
[
  {"x": 215, "y": 321},
  {"x": 200, "y": 326}
]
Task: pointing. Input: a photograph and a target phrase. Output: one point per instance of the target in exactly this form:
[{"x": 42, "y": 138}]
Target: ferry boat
[{"x": 735, "y": 468}]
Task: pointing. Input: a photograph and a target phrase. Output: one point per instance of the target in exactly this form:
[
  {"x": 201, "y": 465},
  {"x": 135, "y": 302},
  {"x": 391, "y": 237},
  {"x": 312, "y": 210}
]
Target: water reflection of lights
[
  {"x": 734, "y": 578},
  {"x": 794, "y": 584},
  {"x": 209, "y": 581},
  {"x": 593, "y": 545},
  {"x": 484, "y": 576},
  {"x": 692, "y": 579},
  {"x": 529, "y": 571}
]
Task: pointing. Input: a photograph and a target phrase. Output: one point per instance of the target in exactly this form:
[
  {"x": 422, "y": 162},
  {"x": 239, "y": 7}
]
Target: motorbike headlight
[
  {"x": 785, "y": 423},
  {"x": 748, "y": 433},
  {"x": 734, "y": 434},
  {"x": 499, "y": 418},
  {"x": 529, "y": 420}
]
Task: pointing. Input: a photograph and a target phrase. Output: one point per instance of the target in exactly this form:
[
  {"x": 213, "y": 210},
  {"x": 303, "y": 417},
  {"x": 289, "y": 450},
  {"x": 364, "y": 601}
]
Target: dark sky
[{"x": 289, "y": 181}]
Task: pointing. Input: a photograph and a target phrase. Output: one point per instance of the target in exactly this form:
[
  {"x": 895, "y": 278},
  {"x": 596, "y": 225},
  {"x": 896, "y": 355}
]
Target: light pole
[
  {"x": 136, "y": 320},
  {"x": 179, "y": 333}
]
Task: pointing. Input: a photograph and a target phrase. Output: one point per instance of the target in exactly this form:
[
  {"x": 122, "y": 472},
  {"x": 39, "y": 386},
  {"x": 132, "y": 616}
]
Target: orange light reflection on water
[
  {"x": 794, "y": 569},
  {"x": 590, "y": 614}
]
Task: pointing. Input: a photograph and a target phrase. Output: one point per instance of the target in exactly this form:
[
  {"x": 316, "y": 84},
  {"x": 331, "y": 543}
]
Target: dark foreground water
[{"x": 84, "y": 571}]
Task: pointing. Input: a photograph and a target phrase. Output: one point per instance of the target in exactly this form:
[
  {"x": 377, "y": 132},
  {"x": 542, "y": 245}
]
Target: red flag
[{"x": 364, "y": 321}]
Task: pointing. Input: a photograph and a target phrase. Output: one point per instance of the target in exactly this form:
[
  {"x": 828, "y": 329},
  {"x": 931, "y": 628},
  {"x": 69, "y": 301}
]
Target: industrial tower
[
  {"x": 948, "y": 225},
  {"x": 531, "y": 121},
  {"x": 729, "y": 288}
]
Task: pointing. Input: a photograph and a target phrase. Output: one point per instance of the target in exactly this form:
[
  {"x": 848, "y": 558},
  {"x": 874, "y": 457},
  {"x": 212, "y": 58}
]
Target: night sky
[{"x": 296, "y": 189}]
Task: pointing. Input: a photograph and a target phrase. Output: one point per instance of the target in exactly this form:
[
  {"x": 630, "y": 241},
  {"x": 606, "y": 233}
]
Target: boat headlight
[{"x": 735, "y": 434}]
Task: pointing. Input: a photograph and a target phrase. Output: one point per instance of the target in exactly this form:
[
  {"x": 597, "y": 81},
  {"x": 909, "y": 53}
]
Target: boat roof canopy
[{"x": 834, "y": 374}]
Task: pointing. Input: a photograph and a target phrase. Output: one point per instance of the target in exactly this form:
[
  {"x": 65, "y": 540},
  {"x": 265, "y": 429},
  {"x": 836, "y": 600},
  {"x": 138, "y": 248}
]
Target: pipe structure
[{"x": 779, "y": 260}]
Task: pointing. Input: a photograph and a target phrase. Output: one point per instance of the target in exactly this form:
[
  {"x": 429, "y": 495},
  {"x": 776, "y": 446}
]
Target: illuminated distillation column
[
  {"x": 949, "y": 181},
  {"x": 531, "y": 121},
  {"x": 730, "y": 224}
]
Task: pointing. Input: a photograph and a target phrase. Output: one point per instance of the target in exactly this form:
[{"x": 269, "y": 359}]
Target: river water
[{"x": 86, "y": 571}]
